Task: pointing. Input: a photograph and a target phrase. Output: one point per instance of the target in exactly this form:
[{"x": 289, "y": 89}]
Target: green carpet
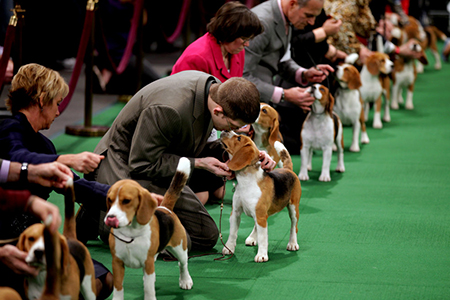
[{"x": 378, "y": 231}]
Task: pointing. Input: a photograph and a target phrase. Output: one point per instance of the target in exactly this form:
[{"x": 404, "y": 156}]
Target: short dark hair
[
  {"x": 239, "y": 98},
  {"x": 234, "y": 20}
]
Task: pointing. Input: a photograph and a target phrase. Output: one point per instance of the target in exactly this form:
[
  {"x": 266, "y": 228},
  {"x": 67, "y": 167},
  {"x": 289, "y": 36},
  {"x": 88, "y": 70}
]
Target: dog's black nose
[{"x": 38, "y": 254}]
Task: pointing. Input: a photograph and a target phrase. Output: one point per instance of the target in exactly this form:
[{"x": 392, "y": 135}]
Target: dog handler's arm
[
  {"x": 300, "y": 97},
  {"x": 213, "y": 165},
  {"x": 267, "y": 163}
]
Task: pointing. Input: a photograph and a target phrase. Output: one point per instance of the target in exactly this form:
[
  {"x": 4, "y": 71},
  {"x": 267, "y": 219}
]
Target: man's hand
[
  {"x": 213, "y": 165},
  {"x": 300, "y": 97},
  {"x": 159, "y": 198},
  {"x": 85, "y": 162},
  {"x": 331, "y": 26},
  {"x": 318, "y": 73},
  {"x": 42, "y": 209},
  {"x": 364, "y": 53},
  {"x": 406, "y": 50},
  {"x": 14, "y": 259},
  {"x": 267, "y": 163},
  {"x": 52, "y": 174}
]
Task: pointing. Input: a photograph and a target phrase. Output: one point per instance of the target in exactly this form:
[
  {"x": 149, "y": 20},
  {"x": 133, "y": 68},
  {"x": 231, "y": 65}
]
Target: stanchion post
[
  {"x": 88, "y": 129},
  {"x": 18, "y": 18}
]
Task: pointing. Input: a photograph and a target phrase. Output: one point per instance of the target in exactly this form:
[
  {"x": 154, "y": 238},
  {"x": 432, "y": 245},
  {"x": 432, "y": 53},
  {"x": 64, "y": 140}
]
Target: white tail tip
[
  {"x": 69, "y": 182},
  {"x": 352, "y": 58},
  {"x": 184, "y": 165},
  {"x": 48, "y": 220}
]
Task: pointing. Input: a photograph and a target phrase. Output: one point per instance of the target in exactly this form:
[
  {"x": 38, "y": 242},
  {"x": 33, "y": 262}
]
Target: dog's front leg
[
  {"x": 118, "y": 275},
  {"x": 326, "y": 161},
  {"x": 149, "y": 279},
  {"x": 235, "y": 220},
  {"x": 181, "y": 254},
  {"x": 305, "y": 156},
  {"x": 263, "y": 242},
  {"x": 377, "y": 114}
]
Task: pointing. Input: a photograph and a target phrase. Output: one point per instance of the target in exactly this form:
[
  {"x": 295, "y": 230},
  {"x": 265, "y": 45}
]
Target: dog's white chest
[
  {"x": 348, "y": 106},
  {"x": 406, "y": 76},
  {"x": 133, "y": 254},
  {"x": 318, "y": 131},
  {"x": 371, "y": 87},
  {"x": 248, "y": 192}
]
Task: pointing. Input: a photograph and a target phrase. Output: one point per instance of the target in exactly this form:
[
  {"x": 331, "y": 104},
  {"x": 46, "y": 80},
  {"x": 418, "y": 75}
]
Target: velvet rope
[
  {"x": 181, "y": 20},
  {"x": 9, "y": 39},
  {"x": 87, "y": 30}
]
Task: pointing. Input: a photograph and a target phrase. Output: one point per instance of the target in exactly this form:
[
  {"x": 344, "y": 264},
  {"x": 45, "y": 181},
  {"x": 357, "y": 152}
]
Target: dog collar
[{"x": 123, "y": 238}]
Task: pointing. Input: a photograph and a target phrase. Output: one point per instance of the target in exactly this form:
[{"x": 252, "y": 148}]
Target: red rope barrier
[
  {"x": 9, "y": 39},
  {"x": 181, "y": 20},
  {"x": 87, "y": 29}
]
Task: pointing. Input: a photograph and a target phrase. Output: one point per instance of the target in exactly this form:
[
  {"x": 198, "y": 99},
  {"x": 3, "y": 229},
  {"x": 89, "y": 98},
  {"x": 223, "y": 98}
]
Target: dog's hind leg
[
  {"x": 340, "y": 145},
  {"x": 185, "y": 280},
  {"x": 293, "y": 214}
]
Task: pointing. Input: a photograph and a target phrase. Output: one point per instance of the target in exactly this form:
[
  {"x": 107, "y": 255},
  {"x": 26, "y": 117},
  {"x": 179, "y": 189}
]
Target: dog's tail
[
  {"x": 69, "y": 230},
  {"x": 178, "y": 182},
  {"x": 53, "y": 258},
  {"x": 285, "y": 157}
]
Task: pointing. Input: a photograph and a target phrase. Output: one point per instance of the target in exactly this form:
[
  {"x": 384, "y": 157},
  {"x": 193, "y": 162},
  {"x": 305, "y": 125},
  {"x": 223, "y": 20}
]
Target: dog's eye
[
  {"x": 31, "y": 239},
  {"x": 264, "y": 110},
  {"x": 109, "y": 200},
  {"x": 322, "y": 89},
  {"x": 239, "y": 138},
  {"x": 126, "y": 201}
]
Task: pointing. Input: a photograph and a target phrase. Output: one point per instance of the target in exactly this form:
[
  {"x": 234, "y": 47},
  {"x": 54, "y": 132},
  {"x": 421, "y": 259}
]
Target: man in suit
[
  {"x": 171, "y": 118},
  {"x": 268, "y": 54}
]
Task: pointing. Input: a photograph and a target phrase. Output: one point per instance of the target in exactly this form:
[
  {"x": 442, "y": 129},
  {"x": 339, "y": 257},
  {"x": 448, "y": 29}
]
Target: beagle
[
  {"x": 77, "y": 269},
  {"x": 140, "y": 230},
  {"x": 260, "y": 194},
  {"x": 372, "y": 80},
  {"x": 267, "y": 131},
  {"x": 348, "y": 103},
  {"x": 320, "y": 130}
]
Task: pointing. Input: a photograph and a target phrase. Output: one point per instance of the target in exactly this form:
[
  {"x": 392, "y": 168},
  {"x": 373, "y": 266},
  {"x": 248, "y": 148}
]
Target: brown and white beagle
[
  {"x": 267, "y": 131},
  {"x": 373, "y": 82},
  {"x": 349, "y": 105},
  {"x": 76, "y": 275},
  {"x": 140, "y": 230},
  {"x": 260, "y": 194},
  {"x": 321, "y": 129},
  {"x": 404, "y": 73}
]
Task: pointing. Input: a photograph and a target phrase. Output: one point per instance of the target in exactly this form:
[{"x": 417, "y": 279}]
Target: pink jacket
[{"x": 205, "y": 55}]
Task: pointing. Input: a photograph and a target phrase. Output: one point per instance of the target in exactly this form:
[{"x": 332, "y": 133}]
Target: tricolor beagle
[
  {"x": 140, "y": 230},
  {"x": 267, "y": 131},
  {"x": 260, "y": 194},
  {"x": 349, "y": 105},
  {"x": 321, "y": 129},
  {"x": 372, "y": 81},
  {"x": 77, "y": 269}
]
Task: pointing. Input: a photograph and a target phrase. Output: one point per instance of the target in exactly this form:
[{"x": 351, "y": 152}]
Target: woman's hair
[
  {"x": 30, "y": 83},
  {"x": 239, "y": 98},
  {"x": 234, "y": 20}
]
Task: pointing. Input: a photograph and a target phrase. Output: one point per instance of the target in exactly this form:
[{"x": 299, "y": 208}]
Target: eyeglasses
[{"x": 234, "y": 126}]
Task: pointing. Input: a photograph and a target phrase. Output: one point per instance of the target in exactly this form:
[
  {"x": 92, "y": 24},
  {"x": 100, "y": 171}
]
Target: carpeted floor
[{"x": 378, "y": 231}]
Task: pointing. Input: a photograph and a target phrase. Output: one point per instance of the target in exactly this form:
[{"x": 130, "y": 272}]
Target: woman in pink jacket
[{"x": 220, "y": 52}]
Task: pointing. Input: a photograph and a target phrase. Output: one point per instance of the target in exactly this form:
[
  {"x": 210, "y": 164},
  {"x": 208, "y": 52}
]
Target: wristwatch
[
  {"x": 282, "y": 96},
  {"x": 24, "y": 173}
]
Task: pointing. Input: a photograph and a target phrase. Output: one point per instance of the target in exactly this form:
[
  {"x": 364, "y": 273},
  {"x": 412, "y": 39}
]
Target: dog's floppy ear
[
  {"x": 243, "y": 157},
  {"x": 274, "y": 131},
  {"x": 354, "y": 80},
  {"x": 373, "y": 65},
  {"x": 21, "y": 243},
  {"x": 330, "y": 104},
  {"x": 146, "y": 208},
  {"x": 423, "y": 58}
]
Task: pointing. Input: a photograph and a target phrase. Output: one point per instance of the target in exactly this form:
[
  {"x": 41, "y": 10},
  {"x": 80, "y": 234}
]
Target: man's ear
[{"x": 218, "y": 110}]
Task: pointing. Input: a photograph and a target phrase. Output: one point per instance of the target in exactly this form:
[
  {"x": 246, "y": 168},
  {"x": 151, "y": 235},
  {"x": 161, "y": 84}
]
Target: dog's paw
[
  {"x": 250, "y": 241},
  {"x": 261, "y": 258},
  {"x": 303, "y": 177},
  {"x": 325, "y": 177},
  {"x": 387, "y": 118},
  {"x": 227, "y": 250},
  {"x": 186, "y": 283},
  {"x": 377, "y": 125},
  {"x": 334, "y": 148},
  {"x": 355, "y": 148},
  {"x": 394, "y": 105},
  {"x": 409, "y": 106},
  {"x": 292, "y": 247},
  {"x": 340, "y": 169},
  {"x": 364, "y": 138}
]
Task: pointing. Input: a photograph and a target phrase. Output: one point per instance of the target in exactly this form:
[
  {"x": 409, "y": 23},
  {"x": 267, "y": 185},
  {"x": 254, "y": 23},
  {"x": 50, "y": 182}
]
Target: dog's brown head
[
  {"x": 267, "y": 121},
  {"x": 242, "y": 150},
  {"x": 379, "y": 63},
  {"x": 127, "y": 199},
  {"x": 348, "y": 76},
  {"x": 324, "y": 100}
]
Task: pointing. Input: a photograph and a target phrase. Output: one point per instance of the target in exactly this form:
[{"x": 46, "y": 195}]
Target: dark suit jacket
[
  {"x": 164, "y": 121},
  {"x": 19, "y": 142},
  {"x": 263, "y": 56}
]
